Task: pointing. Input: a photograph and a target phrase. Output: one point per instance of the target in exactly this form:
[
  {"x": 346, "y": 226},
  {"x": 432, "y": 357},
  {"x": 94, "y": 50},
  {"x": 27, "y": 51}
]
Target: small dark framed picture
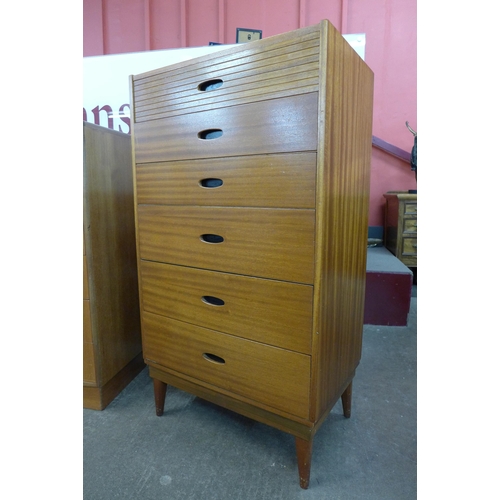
[{"x": 244, "y": 35}]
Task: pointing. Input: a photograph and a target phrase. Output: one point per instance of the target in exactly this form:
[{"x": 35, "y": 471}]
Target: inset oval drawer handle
[
  {"x": 211, "y": 238},
  {"x": 213, "y": 301},
  {"x": 211, "y": 183},
  {"x": 210, "y": 133},
  {"x": 210, "y": 85},
  {"x": 213, "y": 358}
]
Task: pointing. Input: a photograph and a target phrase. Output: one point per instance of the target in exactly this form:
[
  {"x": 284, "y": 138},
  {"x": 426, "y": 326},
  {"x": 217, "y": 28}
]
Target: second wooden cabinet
[{"x": 112, "y": 347}]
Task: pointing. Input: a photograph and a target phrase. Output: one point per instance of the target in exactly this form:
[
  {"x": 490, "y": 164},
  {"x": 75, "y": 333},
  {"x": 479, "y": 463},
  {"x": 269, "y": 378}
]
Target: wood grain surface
[
  {"x": 275, "y": 180},
  {"x": 268, "y": 311},
  {"x": 276, "y": 377},
  {"x": 275, "y": 126},
  {"x": 263, "y": 242},
  {"x": 252, "y": 171}
]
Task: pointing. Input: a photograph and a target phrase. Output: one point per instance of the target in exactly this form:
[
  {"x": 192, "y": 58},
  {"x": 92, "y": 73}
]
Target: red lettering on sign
[
  {"x": 97, "y": 110},
  {"x": 110, "y": 115},
  {"x": 124, "y": 119}
]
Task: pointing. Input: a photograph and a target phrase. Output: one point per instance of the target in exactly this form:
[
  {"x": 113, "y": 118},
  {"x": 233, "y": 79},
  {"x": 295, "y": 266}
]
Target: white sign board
[{"x": 106, "y": 94}]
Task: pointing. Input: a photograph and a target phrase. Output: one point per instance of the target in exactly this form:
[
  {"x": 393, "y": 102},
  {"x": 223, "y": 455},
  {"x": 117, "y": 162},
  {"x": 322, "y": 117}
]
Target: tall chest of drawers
[{"x": 252, "y": 174}]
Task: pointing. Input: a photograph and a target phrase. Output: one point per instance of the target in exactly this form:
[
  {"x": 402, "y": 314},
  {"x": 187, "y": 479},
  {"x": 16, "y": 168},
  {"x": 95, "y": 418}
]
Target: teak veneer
[
  {"x": 112, "y": 349},
  {"x": 252, "y": 170}
]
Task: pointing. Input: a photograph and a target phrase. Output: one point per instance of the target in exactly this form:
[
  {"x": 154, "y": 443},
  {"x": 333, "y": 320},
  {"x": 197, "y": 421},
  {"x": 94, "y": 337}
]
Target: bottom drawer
[{"x": 269, "y": 375}]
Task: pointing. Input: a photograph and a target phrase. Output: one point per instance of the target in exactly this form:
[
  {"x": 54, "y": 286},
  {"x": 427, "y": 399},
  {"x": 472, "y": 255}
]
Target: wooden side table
[{"x": 400, "y": 231}]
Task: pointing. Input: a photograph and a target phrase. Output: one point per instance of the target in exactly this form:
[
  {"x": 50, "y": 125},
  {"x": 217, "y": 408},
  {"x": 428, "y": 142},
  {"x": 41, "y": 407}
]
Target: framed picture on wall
[{"x": 244, "y": 35}]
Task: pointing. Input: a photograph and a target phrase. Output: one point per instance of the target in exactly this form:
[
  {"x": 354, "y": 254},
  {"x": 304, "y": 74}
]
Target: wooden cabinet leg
[
  {"x": 160, "y": 389},
  {"x": 304, "y": 452},
  {"x": 346, "y": 401}
]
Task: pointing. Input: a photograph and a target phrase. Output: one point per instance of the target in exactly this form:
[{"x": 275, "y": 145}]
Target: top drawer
[
  {"x": 267, "y": 375},
  {"x": 238, "y": 76},
  {"x": 289, "y": 124}
]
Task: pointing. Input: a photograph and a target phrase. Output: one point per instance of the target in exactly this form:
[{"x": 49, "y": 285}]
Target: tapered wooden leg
[
  {"x": 346, "y": 401},
  {"x": 160, "y": 389},
  {"x": 304, "y": 452}
]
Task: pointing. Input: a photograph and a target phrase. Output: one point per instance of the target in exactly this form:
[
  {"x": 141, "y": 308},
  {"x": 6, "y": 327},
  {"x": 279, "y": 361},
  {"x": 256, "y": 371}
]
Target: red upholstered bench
[{"x": 388, "y": 289}]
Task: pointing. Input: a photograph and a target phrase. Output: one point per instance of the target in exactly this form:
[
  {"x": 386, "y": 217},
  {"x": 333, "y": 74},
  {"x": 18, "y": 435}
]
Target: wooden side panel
[
  {"x": 89, "y": 364},
  {"x": 110, "y": 249},
  {"x": 346, "y": 99},
  {"x": 85, "y": 279},
  {"x": 267, "y": 311},
  {"x": 391, "y": 224},
  {"x": 279, "y": 180},
  {"x": 87, "y": 324},
  {"x": 263, "y": 242},
  {"x": 89, "y": 375},
  {"x": 98, "y": 397},
  {"x": 92, "y": 398}
]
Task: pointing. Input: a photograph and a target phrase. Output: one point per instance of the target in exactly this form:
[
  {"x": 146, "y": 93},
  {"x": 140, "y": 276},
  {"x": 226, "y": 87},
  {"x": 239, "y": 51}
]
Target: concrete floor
[{"x": 199, "y": 451}]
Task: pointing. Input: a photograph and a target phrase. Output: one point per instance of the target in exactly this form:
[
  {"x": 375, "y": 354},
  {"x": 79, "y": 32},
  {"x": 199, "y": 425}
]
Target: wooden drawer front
[
  {"x": 276, "y": 126},
  {"x": 269, "y": 243},
  {"x": 277, "y": 180},
  {"x": 271, "y": 312},
  {"x": 410, "y": 207},
  {"x": 410, "y": 225},
  {"x": 409, "y": 246},
  {"x": 265, "y": 374},
  {"x": 227, "y": 80}
]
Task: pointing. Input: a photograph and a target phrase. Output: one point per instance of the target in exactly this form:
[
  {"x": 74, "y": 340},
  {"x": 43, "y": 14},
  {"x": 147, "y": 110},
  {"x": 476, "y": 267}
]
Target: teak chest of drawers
[
  {"x": 401, "y": 226},
  {"x": 252, "y": 171}
]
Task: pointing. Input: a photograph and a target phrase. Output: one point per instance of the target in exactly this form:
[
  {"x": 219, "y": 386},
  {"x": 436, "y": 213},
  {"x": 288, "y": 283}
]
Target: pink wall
[{"x": 117, "y": 26}]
